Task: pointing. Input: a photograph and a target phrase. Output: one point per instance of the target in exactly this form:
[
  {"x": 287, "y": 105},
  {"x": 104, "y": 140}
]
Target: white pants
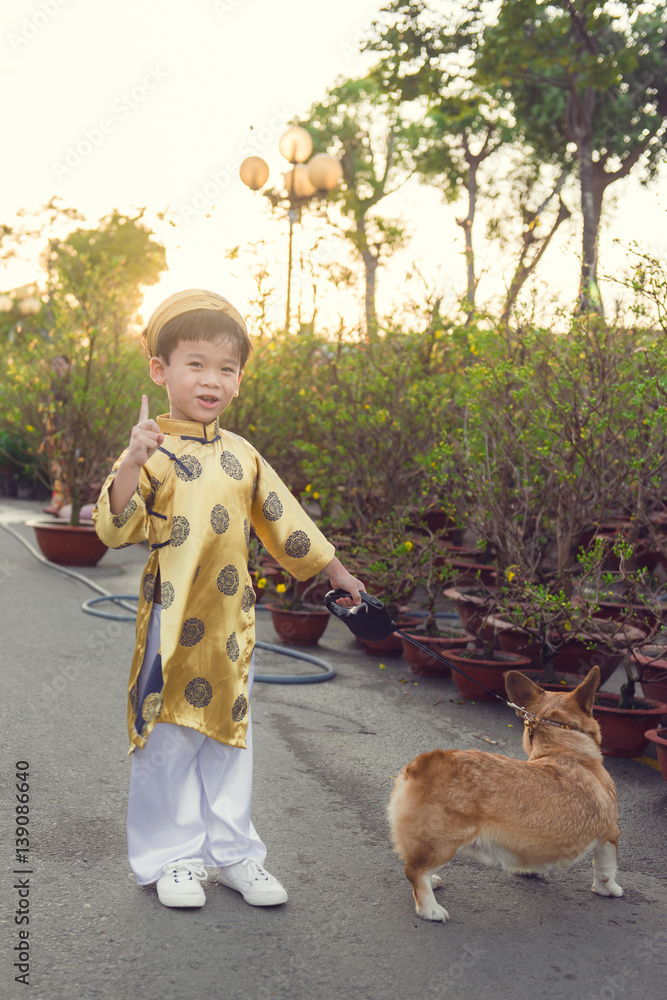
[{"x": 190, "y": 797}]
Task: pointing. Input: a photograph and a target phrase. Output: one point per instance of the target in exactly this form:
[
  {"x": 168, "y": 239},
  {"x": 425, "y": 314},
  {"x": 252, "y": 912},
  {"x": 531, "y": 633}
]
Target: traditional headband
[{"x": 182, "y": 302}]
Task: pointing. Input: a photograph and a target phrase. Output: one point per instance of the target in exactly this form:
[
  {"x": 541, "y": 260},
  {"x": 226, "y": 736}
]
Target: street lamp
[{"x": 304, "y": 180}]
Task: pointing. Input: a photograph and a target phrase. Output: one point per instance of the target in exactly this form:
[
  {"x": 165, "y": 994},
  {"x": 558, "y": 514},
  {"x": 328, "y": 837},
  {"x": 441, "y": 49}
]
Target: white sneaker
[
  {"x": 255, "y": 885},
  {"x": 179, "y": 884}
]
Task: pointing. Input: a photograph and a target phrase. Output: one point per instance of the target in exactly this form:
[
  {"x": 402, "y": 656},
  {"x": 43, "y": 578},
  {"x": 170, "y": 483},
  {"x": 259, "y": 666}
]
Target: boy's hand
[
  {"x": 340, "y": 579},
  {"x": 145, "y": 439}
]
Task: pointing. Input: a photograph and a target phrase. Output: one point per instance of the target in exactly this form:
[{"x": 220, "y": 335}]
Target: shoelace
[
  {"x": 189, "y": 869},
  {"x": 252, "y": 871}
]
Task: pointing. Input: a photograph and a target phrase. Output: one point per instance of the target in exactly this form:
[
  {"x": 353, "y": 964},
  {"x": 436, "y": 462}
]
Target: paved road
[{"x": 325, "y": 754}]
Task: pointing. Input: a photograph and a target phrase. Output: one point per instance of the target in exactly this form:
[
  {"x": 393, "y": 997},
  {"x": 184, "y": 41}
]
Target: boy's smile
[{"x": 201, "y": 379}]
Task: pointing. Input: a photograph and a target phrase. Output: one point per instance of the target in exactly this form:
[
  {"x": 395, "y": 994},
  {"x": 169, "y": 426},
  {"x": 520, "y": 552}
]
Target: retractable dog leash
[{"x": 370, "y": 620}]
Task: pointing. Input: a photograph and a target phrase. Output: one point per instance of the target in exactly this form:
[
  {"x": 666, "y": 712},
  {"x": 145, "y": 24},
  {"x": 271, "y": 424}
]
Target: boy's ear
[
  {"x": 238, "y": 384},
  {"x": 157, "y": 370}
]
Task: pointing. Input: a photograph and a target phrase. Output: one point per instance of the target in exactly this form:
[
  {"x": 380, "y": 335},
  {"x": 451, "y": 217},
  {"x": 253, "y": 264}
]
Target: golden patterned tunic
[{"x": 197, "y": 498}]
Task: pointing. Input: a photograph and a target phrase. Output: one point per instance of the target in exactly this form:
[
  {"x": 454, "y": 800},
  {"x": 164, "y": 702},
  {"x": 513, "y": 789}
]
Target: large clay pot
[
  {"x": 653, "y": 672},
  {"x": 471, "y": 603},
  {"x": 515, "y": 640},
  {"x": 299, "y": 628},
  {"x": 468, "y": 572},
  {"x": 490, "y": 673},
  {"x": 424, "y": 665},
  {"x": 659, "y": 738},
  {"x": 578, "y": 656},
  {"x": 623, "y": 729},
  {"x": 66, "y": 545}
]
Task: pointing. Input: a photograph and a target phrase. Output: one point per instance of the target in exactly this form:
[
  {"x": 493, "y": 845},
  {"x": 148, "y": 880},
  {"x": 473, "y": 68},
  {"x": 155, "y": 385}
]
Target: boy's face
[{"x": 201, "y": 378}]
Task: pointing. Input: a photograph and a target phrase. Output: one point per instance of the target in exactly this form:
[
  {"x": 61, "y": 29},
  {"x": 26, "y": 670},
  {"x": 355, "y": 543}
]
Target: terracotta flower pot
[
  {"x": 490, "y": 673},
  {"x": 466, "y": 571},
  {"x": 578, "y": 656},
  {"x": 471, "y": 604},
  {"x": 421, "y": 663},
  {"x": 623, "y": 729},
  {"x": 390, "y": 646},
  {"x": 66, "y": 545},
  {"x": 659, "y": 738},
  {"x": 299, "y": 628},
  {"x": 515, "y": 640},
  {"x": 653, "y": 673}
]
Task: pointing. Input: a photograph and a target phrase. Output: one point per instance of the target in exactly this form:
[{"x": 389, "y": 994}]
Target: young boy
[{"x": 193, "y": 490}]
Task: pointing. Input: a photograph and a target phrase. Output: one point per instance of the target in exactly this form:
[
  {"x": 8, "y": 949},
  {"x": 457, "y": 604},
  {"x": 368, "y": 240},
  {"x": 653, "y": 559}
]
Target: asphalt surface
[{"x": 325, "y": 755}]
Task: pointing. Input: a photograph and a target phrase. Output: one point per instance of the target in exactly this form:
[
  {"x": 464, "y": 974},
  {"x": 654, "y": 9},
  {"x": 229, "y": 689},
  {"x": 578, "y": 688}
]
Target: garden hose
[{"x": 90, "y": 607}]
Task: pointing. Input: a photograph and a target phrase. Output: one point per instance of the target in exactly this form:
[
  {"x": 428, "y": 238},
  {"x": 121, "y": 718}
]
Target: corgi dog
[{"x": 527, "y": 815}]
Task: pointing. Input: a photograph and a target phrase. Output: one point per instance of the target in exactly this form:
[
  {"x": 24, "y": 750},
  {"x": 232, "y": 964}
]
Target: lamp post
[{"x": 302, "y": 181}]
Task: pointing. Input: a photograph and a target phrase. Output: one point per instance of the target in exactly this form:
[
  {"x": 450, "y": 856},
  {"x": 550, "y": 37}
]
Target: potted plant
[
  {"x": 297, "y": 621},
  {"x": 73, "y": 377},
  {"x": 659, "y": 738},
  {"x": 428, "y": 566}
]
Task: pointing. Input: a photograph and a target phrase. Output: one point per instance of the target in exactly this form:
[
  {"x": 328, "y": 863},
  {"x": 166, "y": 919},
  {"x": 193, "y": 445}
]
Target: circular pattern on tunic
[
  {"x": 219, "y": 519},
  {"x": 192, "y": 632},
  {"x": 246, "y": 532},
  {"x": 156, "y": 484},
  {"x": 134, "y": 699},
  {"x": 272, "y": 508},
  {"x": 192, "y": 468},
  {"x": 248, "y": 599},
  {"x": 149, "y": 587},
  {"x": 194, "y": 578},
  {"x": 228, "y": 580},
  {"x": 239, "y": 708},
  {"x": 167, "y": 590},
  {"x": 297, "y": 545},
  {"x": 231, "y": 465},
  {"x": 180, "y": 529},
  {"x": 198, "y": 692},
  {"x": 233, "y": 651},
  {"x": 152, "y": 706},
  {"x": 119, "y": 520}
]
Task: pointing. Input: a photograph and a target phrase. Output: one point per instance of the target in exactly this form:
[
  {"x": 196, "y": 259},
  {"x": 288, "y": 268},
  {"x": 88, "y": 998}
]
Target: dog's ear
[
  {"x": 585, "y": 693},
  {"x": 520, "y": 689}
]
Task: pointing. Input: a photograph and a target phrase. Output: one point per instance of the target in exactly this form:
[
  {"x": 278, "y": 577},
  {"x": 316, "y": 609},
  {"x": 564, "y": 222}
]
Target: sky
[{"x": 154, "y": 103}]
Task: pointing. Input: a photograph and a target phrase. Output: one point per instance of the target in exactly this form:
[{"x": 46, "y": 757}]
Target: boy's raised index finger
[{"x": 143, "y": 412}]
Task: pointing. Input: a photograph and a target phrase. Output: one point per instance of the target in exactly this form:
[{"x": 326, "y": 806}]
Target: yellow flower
[
  {"x": 261, "y": 583},
  {"x": 29, "y": 427},
  {"x": 316, "y": 496},
  {"x": 383, "y": 666},
  {"x": 408, "y": 546},
  {"x": 281, "y": 588}
]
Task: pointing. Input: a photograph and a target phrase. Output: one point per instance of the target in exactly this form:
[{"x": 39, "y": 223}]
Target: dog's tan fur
[{"x": 529, "y": 816}]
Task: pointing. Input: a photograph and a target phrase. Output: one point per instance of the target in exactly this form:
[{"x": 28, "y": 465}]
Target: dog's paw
[
  {"x": 606, "y": 887},
  {"x": 433, "y": 911},
  {"x": 437, "y": 881}
]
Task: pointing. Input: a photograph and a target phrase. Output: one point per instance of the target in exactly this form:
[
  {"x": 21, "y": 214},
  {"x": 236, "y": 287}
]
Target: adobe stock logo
[
  {"x": 121, "y": 109},
  {"x": 31, "y": 26}
]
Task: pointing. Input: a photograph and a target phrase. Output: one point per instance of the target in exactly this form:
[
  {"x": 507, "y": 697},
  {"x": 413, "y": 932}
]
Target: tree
[
  {"x": 358, "y": 122},
  {"x": 427, "y": 59},
  {"x": 75, "y": 383},
  {"x": 587, "y": 82}
]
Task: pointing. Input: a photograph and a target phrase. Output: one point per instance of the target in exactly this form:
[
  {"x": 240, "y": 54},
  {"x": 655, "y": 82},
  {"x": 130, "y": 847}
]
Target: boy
[{"x": 192, "y": 491}]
